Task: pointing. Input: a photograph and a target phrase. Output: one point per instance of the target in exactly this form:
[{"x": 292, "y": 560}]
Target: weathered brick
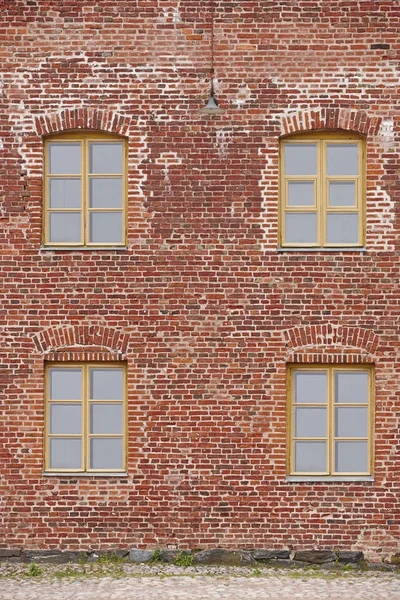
[{"x": 200, "y": 304}]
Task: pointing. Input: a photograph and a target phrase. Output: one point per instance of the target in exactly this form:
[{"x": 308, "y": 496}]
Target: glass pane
[
  {"x": 351, "y": 457},
  {"x": 106, "y": 453},
  {"x": 301, "y": 228},
  {"x": 300, "y": 159},
  {"x": 310, "y": 422},
  {"x": 65, "y": 227},
  {"x": 105, "y": 158},
  {"x": 65, "y": 158},
  {"x": 310, "y": 457},
  {"x": 342, "y": 193},
  {"x": 106, "y": 418},
  {"x": 351, "y": 422},
  {"x": 342, "y": 159},
  {"x": 65, "y": 193},
  {"x": 106, "y": 227},
  {"x": 105, "y": 193},
  {"x": 342, "y": 228},
  {"x": 65, "y": 418},
  {"x": 301, "y": 193},
  {"x": 310, "y": 387},
  {"x": 65, "y": 384},
  {"x": 65, "y": 453},
  {"x": 351, "y": 387},
  {"x": 106, "y": 384}
]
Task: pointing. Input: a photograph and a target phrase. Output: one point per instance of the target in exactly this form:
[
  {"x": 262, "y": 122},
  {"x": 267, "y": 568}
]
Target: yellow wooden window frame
[
  {"x": 85, "y": 403},
  {"x": 330, "y": 406},
  {"x": 84, "y": 139},
  {"x": 321, "y": 188}
]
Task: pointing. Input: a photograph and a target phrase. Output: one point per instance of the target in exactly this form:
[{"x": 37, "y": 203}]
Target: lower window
[
  {"x": 330, "y": 420},
  {"x": 85, "y": 417}
]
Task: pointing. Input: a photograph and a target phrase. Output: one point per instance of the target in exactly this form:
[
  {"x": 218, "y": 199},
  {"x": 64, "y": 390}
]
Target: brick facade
[{"x": 201, "y": 305}]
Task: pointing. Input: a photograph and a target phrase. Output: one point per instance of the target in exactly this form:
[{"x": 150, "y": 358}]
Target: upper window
[
  {"x": 84, "y": 190},
  {"x": 330, "y": 420},
  {"x": 85, "y": 417},
  {"x": 322, "y": 190}
]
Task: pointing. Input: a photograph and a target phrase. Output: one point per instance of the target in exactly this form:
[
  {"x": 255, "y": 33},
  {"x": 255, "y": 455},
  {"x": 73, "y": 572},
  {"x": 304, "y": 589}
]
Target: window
[
  {"x": 84, "y": 190},
  {"x": 330, "y": 420},
  {"x": 85, "y": 417},
  {"x": 322, "y": 190}
]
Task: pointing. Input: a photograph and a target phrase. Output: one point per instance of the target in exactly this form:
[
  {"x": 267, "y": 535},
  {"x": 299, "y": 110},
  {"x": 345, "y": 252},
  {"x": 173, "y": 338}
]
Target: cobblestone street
[{"x": 206, "y": 584}]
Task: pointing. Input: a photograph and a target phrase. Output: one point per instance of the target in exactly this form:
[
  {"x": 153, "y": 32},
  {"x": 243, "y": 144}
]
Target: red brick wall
[{"x": 201, "y": 305}]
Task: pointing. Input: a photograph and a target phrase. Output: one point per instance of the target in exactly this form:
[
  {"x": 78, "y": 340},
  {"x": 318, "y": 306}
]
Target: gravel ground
[{"x": 124, "y": 581}]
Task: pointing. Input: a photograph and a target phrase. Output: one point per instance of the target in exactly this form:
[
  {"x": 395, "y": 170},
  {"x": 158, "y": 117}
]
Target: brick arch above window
[
  {"x": 83, "y": 118},
  {"x": 81, "y": 342},
  {"x": 330, "y": 344},
  {"x": 355, "y": 121}
]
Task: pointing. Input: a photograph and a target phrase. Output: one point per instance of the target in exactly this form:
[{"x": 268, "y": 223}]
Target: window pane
[
  {"x": 65, "y": 453},
  {"x": 106, "y": 384},
  {"x": 351, "y": 422},
  {"x": 106, "y": 453},
  {"x": 310, "y": 422},
  {"x": 310, "y": 387},
  {"x": 66, "y": 418},
  {"x": 301, "y": 228},
  {"x": 65, "y": 158},
  {"x": 351, "y": 387},
  {"x": 106, "y": 227},
  {"x": 65, "y": 193},
  {"x": 105, "y": 193},
  {"x": 342, "y": 159},
  {"x": 105, "y": 158},
  {"x": 106, "y": 418},
  {"x": 65, "y": 227},
  {"x": 351, "y": 457},
  {"x": 342, "y": 193},
  {"x": 342, "y": 228},
  {"x": 300, "y": 159},
  {"x": 65, "y": 384},
  {"x": 300, "y": 193},
  {"x": 310, "y": 457}
]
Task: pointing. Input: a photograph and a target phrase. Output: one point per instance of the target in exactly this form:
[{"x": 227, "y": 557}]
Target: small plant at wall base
[
  {"x": 184, "y": 559},
  {"x": 156, "y": 558},
  {"x": 34, "y": 570}
]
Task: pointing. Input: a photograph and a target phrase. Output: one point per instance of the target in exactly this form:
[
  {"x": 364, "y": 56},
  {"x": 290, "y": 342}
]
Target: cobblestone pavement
[{"x": 203, "y": 584}]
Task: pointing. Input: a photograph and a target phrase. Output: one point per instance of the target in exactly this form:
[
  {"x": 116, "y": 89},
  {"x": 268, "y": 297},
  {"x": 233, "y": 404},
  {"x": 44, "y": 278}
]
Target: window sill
[
  {"x": 72, "y": 475},
  {"x": 81, "y": 248},
  {"x": 321, "y": 249},
  {"x": 328, "y": 478}
]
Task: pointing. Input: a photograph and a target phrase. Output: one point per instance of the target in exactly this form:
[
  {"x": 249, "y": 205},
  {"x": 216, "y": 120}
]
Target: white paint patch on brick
[
  {"x": 217, "y": 85},
  {"x": 381, "y": 221},
  {"x": 386, "y": 134},
  {"x": 243, "y": 97},
  {"x": 170, "y": 14},
  {"x": 269, "y": 194},
  {"x": 168, "y": 159},
  {"x": 350, "y": 81},
  {"x": 372, "y": 538},
  {"x": 223, "y": 137}
]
